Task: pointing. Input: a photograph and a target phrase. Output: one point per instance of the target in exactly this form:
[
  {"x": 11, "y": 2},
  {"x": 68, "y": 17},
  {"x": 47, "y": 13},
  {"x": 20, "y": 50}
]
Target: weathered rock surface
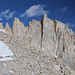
[
  {"x": 35, "y": 34},
  {"x": 17, "y": 29},
  {"x": 8, "y": 29},
  {"x": 44, "y": 47}
]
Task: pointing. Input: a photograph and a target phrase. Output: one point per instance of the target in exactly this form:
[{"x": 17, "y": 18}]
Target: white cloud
[
  {"x": 63, "y": 9},
  {"x": 70, "y": 25},
  {"x": 10, "y": 15},
  {"x": 7, "y": 14},
  {"x": 4, "y": 13},
  {"x": 35, "y": 10}
]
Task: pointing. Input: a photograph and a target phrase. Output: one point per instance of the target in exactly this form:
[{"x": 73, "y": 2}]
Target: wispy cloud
[
  {"x": 10, "y": 15},
  {"x": 70, "y": 25},
  {"x": 7, "y": 14},
  {"x": 63, "y": 9},
  {"x": 35, "y": 10},
  {"x": 1, "y": 19},
  {"x": 4, "y": 13}
]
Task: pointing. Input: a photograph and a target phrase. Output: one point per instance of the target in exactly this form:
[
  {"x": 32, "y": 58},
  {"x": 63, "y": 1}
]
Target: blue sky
[{"x": 26, "y": 10}]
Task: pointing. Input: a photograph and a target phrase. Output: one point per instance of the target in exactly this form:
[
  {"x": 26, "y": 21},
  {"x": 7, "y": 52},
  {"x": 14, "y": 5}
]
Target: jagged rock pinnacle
[
  {"x": 18, "y": 28},
  {"x": 1, "y": 25},
  {"x": 8, "y": 29},
  {"x": 7, "y": 25},
  {"x": 16, "y": 21},
  {"x": 48, "y": 43},
  {"x": 45, "y": 15}
]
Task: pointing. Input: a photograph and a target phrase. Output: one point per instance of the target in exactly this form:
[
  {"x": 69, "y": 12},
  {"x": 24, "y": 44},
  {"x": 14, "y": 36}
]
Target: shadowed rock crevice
[
  {"x": 55, "y": 23},
  {"x": 41, "y": 31}
]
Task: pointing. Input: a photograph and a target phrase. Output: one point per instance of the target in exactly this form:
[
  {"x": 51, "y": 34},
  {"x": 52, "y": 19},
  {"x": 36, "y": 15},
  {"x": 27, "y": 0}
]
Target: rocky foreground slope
[{"x": 44, "y": 47}]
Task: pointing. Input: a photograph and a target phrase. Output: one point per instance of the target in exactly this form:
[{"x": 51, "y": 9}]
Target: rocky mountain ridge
[{"x": 51, "y": 44}]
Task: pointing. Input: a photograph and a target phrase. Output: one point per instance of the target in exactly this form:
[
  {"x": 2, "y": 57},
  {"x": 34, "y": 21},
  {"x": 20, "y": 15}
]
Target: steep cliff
[{"x": 44, "y": 47}]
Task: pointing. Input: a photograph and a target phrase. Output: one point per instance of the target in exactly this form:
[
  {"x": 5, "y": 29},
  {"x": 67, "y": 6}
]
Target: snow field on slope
[{"x": 5, "y": 52}]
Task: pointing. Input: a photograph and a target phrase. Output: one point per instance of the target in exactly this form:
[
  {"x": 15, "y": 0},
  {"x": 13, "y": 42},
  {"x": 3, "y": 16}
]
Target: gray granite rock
[{"x": 44, "y": 47}]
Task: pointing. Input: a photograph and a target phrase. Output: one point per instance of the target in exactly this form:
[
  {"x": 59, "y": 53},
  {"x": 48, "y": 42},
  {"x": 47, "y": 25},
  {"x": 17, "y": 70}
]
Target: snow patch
[
  {"x": 6, "y": 58},
  {"x": 11, "y": 71},
  {"x": 4, "y": 50},
  {"x": 55, "y": 55},
  {"x": 3, "y": 30}
]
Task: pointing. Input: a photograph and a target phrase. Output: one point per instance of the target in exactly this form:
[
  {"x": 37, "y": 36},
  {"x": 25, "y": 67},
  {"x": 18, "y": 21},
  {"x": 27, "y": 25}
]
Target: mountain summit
[{"x": 44, "y": 47}]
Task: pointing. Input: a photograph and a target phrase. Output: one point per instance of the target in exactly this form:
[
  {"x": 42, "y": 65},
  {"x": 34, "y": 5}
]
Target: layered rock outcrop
[{"x": 51, "y": 42}]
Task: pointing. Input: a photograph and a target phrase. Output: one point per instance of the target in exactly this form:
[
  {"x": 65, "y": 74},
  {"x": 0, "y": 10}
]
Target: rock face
[
  {"x": 48, "y": 34},
  {"x": 18, "y": 29},
  {"x": 7, "y": 29},
  {"x": 35, "y": 34},
  {"x": 44, "y": 47}
]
